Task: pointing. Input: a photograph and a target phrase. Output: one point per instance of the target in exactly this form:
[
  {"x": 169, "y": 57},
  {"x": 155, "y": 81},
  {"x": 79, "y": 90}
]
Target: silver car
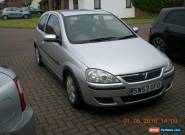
[
  {"x": 16, "y": 117},
  {"x": 14, "y": 12},
  {"x": 102, "y": 61}
]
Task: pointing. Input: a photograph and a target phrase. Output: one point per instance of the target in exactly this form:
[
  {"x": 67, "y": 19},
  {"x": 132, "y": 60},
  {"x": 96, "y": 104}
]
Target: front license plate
[{"x": 145, "y": 88}]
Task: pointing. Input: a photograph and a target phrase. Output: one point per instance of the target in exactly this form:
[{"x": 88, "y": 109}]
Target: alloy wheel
[
  {"x": 159, "y": 43},
  {"x": 26, "y": 16},
  {"x": 5, "y": 17},
  {"x": 37, "y": 55},
  {"x": 71, "y": 89}
]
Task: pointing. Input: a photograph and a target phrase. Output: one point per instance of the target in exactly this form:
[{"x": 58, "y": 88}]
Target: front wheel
[
  {"x": 159, "y": 43},
  {"x": 38, "y": 57},
  {"x": 26, "y": 16},
  {"x": 73, "y": 91}
]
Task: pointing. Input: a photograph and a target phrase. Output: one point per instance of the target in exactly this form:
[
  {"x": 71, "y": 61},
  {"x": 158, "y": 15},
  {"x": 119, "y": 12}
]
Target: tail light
[{"x": 21, "y": 95}]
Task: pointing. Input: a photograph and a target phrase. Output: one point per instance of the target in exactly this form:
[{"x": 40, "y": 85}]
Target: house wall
[
  {"x": 86, "y": 4},
  {"x": 117, "y": 7}
]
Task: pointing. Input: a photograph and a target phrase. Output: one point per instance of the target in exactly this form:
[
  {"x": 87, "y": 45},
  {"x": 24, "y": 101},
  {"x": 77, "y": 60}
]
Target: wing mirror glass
[{"x": 135, "y": 29}]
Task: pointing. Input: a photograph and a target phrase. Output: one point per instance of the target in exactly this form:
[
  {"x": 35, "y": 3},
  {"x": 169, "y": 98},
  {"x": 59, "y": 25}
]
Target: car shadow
[{"x": 120, "y": 110}]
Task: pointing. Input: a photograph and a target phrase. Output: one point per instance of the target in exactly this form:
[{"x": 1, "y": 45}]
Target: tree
[{"x": 156, "y": 5}]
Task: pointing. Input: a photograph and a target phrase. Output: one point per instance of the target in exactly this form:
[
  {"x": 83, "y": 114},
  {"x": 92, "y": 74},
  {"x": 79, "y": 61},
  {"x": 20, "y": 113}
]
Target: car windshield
[{"x": 95, "y": 28}]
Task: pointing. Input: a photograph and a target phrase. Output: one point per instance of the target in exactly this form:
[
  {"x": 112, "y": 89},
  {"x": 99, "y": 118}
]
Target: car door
[
  {"x": 13, "y": 13},
  {"x": 53, "y": 49},
  {"x": 39, "y": 38},
  {"x": 10, "y": 12},
  {"x": 18, "y": 12},
  {"x": 175, "y": 31}
]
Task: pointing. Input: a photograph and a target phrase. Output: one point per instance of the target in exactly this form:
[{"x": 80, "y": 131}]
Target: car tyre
[
  {"x": 26, "y": 16},
  {"x": 73, "y": 91},
  {"x": 5, "y": 17},
  {"x": 159, "y": 43},
  {"x": 38, "y": 57}
]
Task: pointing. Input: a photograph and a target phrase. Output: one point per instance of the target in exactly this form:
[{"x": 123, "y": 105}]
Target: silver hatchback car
[
  {"x": 16, "y": 117},
  {"x": 14, "y": 12},
  {"x": 102, "y": 61}
]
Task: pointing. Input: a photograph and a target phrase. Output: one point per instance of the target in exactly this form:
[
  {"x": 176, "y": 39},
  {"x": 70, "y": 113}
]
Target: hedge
[{"x": 156, "y": 5}]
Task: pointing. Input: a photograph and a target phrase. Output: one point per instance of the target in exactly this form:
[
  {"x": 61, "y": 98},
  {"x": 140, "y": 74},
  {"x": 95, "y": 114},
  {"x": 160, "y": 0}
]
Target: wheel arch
[
  {"x": 34, "y": 43},
  {"x": 66, "y": 70}
]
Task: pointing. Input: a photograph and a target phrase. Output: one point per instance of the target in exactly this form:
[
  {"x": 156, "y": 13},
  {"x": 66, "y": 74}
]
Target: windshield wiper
[
  {"x": 126, "y": 37},
  {"x": 105, "y": 39},
  {"x": 101, "y": 39}
]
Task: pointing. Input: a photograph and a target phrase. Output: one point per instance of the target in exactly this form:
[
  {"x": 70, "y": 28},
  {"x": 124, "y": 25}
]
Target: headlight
[
  {"x": 168, "y": 67},
  {"x": 100, "y": 76}
]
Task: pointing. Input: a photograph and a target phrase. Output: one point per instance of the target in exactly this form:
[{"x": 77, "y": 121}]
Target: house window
[
  {"x": 97, "y": 4},
  {"x": 75, "y": 4},
  {"x": 128, "y": 4}
]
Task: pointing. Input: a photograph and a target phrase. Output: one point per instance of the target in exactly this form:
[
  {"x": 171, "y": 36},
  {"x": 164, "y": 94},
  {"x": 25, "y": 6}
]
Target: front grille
[
  {"x": 140, "y": 96},
  {"x": 142, "y": 76}
]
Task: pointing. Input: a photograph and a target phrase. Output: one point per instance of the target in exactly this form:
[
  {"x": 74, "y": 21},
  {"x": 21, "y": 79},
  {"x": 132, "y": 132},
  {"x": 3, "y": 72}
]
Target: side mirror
[
  {"x": 51, "y": 38},
  {"x": 135, "y": 29}
]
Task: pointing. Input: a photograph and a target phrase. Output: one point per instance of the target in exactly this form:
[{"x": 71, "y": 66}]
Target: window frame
[
  {"x": 60, "y": 36},
  {"x": 99, "y": 4},
  {"x": 47, "y": 16},
  {"x": 130, "y": 4}
]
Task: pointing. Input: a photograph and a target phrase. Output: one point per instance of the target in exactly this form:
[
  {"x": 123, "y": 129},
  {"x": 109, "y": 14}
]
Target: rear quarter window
[{"x": 176, "y": 17}]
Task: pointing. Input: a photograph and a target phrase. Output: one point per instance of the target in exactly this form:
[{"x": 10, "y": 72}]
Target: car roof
[
  {"x": 167, "y": 10},
  {"x": 81, "y": 12}
]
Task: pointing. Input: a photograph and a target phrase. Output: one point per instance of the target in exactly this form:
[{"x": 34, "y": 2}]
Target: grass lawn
[
  {"x": 19, "y": 23},
  {"x": 135, "y": 21},
  {"x": 31, "y": 23}
]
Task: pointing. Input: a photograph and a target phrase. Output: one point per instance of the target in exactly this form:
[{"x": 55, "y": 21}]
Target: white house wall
[
  {"x": 86, "y": 4},
  {"x": 117, "y": 7}
]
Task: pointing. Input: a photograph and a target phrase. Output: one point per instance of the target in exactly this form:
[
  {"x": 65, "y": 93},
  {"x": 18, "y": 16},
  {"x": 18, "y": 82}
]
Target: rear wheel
[
  {"x": 159, "y": 43},
  {"x": 73, "y": 91},
  {"x": 26, "y": 16},
  {"x": 5, "y": 17}
]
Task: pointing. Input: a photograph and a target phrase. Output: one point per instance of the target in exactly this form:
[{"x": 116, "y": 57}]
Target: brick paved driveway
[{"x": 54, "y": 115}]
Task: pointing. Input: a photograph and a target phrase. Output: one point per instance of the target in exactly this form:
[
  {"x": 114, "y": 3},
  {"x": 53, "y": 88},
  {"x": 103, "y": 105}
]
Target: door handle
[{"x": 43, "y": 41}]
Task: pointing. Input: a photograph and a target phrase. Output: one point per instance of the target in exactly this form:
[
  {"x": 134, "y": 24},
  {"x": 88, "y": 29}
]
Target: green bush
[{"x": 156, "y": 5}]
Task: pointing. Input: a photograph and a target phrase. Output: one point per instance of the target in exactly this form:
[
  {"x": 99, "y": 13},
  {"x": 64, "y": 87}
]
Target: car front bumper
[{"x": 118, "y": 95}]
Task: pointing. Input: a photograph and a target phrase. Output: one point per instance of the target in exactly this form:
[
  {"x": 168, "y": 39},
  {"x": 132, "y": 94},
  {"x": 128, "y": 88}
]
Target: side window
[
  {"x": 53, "y": 26},
  {"x": 8, "y": 9},
  {"x": 42, "y": 22},
  {"x": 176, "y": 17}
]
